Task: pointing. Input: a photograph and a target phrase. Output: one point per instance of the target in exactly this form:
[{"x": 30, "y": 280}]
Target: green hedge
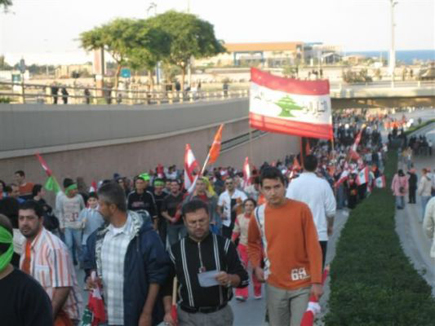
[
  {"x": 372, "y": 281},
  {"x": 416, "y": 127}
]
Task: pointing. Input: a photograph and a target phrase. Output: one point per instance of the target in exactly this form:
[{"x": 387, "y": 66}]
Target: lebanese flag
[
  {"x": 51, "y": 183},
  {"x": 290, "y": 106},
  {"x": 357, "y": 139},
  {"x": 96, "y": 306},
  {"x": 216, "y": 146},
  {"x": 380, "y": 182},
  {"x": 313, "y": 305},
  {"x": 190, "y": 164},
  {"x": 353, "y": 155},
  {"x": 246, "y": 173},
  {"x": 363, "y": 176},
  {"x": 93, "y": 187},
  {"x": 343, "y": 177}
]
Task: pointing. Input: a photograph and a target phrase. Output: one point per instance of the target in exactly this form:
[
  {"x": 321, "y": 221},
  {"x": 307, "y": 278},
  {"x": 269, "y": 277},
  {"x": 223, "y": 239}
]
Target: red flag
[
  {"x": 174, "y": 313},
  {"x": 313, "y": 305},
  {"x": 296, "y": 165},
  {"x": 93, "y": 187},
  {"x": 354, "y": 155},
  {"x": 216, "y": 146},
  {"x": 44, "y": 165},
  {"x": 246, "y": 173},
  {"x": 96, "y": 306},
  {"x": 190, "y": 164},
  {"x": 290, "y": 106},
  {"x": 307, "y": 148}
]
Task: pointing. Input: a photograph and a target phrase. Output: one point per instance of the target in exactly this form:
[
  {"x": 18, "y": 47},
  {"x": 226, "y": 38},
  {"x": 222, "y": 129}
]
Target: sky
[{"x": 47, "y": 31}]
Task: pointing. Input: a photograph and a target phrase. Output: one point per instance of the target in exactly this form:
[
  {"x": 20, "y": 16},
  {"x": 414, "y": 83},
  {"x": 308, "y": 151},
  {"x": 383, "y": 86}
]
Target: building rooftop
[{"x": 279, "y": 46}]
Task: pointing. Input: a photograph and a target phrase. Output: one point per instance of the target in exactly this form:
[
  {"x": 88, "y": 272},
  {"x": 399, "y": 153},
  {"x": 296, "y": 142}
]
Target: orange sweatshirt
[{"x": 292, "y": 254}]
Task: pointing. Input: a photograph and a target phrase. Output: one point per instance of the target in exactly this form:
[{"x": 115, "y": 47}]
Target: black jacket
[{"x": 217, "y": 253}]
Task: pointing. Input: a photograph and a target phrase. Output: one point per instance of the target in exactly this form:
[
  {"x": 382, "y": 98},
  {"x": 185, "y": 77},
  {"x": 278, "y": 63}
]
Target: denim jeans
[
  {"x": 424, "y": 200},
  {"x": 73, "y": 240},
  {"x": 400, "y": 202}
]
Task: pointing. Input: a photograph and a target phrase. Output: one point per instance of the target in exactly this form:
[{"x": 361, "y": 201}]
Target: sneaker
[
  {"x": 258, "y": 297},
  {"x": 240, "y": 298}
]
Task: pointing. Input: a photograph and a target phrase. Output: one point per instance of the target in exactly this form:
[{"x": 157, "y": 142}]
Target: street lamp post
[{"x": 392, "y": 63}]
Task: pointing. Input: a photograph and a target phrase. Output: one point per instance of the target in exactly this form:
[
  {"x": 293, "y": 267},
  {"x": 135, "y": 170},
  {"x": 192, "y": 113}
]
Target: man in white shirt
[
  {"x": 229, "y": 206},
  {"x": 318, "y": 195}
]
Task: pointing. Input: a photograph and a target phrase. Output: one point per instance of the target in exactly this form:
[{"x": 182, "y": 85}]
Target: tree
[
  {"x": 189, "y": 37},
  {"x": 117, "y": 38},
  {"x": 150, "y": 46},
  {"x": 5, "y": 3}
]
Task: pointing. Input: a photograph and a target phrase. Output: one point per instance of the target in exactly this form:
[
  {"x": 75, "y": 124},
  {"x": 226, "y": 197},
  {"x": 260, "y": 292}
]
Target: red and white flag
[
  {"x": 380, "y": 182},
  {"x": 357, "y": 139},
  {"x": 343, "y": 177},
  {"x": 44, "y": 165},
  {"x": 363, "y": 176},
  {"x": 93, "y": 187},
  {"x": 246, "y": 173},
  {"x": 96, "y": 306},
  {"x": 313, "y": 305},
  {"x": 190, "y": 164},
  {"x": 290, "y": 106}
]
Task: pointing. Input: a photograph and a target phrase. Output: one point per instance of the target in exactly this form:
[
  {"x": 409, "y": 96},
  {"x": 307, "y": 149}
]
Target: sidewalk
[{"x": 415, "y": 243}]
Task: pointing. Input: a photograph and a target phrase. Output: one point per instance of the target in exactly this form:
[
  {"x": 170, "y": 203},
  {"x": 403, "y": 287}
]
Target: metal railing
[{"x": 20, "y": 93}]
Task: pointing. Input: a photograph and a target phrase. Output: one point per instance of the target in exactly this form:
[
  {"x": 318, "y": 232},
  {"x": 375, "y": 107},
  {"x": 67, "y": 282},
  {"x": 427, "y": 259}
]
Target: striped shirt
[
  {"x": 52, "y": 267},
  {"x": 113, "y": 252}
]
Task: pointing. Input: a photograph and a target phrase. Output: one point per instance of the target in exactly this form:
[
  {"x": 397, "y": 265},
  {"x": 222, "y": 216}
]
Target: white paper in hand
[{"x": 208, "y": 279}]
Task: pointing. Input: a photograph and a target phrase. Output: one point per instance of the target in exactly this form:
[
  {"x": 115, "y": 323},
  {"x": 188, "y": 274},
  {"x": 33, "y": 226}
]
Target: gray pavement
[{"x": 414, "y": 241}]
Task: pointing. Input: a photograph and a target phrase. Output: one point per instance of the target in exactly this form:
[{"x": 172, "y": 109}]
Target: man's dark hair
[
  {"x": 112, "y": 193},
  {"x": 67, "y": 182},
  {"x": 6, "y": 223},
  {"x": 310, "y": 163},
  {"x": 20, "y": 173},
  {"x": 257, "y": 180},
  {"x": 177, "y": 181},
  {"x": 272, "y": 173},
  {"x": 33, "y": 205},
  {"x": 36, "y": 188},
  {"x": 93, "y": 194},
  {"x": 193, "y": 206}
]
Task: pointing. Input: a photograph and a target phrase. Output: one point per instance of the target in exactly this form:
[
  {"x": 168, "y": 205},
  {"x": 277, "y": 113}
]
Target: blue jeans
[
  {"x": 400, "y": 202},
  {"x": 341, "y": 197},
  {"x": 424, "y": 200},
  {"x": 73, "y": 240}
]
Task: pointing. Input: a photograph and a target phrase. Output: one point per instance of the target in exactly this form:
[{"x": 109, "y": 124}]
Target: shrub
[{"x": 372, "y": 281}]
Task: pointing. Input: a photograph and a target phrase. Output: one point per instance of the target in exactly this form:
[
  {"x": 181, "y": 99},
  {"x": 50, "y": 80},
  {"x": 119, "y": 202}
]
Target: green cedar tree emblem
[{"x": 287, "y": 105}]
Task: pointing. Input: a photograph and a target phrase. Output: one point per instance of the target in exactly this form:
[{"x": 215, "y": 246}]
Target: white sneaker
[
  {"x": 258, "y": 297},
  {"x": 240, "y": 298}
]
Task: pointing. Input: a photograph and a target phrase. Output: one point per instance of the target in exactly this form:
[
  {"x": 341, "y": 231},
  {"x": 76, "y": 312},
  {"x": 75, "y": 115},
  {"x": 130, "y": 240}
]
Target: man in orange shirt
[
  {"x": 283, "y": 235},
  {"x": 24, "y": 186}
]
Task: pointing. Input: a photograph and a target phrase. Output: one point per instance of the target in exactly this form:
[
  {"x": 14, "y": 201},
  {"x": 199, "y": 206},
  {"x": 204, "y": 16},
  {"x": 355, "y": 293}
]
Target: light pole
[{"x": 392, "y": 63}]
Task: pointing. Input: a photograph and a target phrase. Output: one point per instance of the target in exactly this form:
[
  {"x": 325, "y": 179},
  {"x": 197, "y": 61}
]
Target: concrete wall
[
  {"x": 129, "y": 159},
  {"x": 24, "y": 128},
  {"x": 94, "y": 142}
]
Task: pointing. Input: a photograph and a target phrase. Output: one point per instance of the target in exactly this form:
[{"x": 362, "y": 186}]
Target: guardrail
[
  {"x": 63, "y": 94},
  {"x": 54, "y": 94}
]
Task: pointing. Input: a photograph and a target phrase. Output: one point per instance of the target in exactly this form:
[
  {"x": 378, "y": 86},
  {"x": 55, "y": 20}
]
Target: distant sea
[{"x": 405, "y": 56}]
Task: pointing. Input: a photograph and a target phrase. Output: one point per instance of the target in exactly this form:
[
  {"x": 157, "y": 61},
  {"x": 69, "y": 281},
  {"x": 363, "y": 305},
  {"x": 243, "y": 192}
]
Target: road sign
[{"x": 125, "y": 73}]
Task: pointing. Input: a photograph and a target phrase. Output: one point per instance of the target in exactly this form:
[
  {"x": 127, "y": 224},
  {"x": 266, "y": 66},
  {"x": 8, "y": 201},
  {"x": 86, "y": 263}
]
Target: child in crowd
[
  {"x": 90, "y": 218},
  {"x": 241, "y": 231}
]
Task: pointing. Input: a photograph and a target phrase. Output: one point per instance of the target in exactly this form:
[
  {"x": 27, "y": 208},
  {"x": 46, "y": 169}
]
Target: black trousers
[
  {"x": 412, "y": 195},
  {"x": 323, "y": 246},
  {"x": 227, "y": 231}
]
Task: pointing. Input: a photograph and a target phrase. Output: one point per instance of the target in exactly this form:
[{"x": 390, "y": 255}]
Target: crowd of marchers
[{"x": 152, "y": 247}]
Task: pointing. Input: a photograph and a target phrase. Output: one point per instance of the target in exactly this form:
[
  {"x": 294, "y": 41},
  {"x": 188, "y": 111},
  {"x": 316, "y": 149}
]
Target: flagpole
[
  {"x": 250, "y": 144},
  {"x": 205, "y": 163}
]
